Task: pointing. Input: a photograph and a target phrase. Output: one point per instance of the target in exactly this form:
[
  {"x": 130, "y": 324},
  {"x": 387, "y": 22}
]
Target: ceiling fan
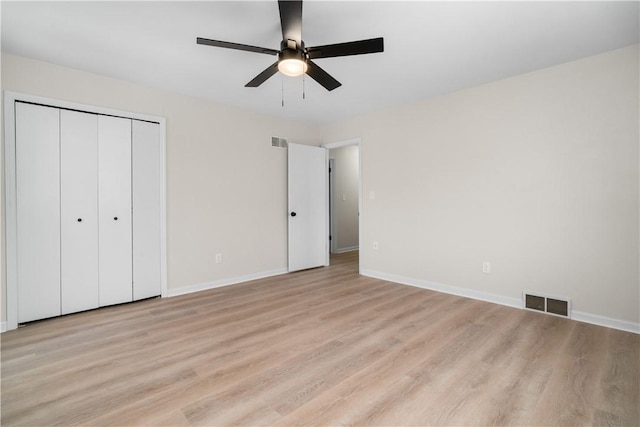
[{"x": 294, "y": 58}]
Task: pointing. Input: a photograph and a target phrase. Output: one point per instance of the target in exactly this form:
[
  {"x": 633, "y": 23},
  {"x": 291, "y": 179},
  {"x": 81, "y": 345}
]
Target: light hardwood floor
[{"x": 320, "y": 347}]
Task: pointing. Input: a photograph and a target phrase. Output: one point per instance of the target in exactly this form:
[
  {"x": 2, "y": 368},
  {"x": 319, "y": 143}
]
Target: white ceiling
[{"x": 431, "y": 48}]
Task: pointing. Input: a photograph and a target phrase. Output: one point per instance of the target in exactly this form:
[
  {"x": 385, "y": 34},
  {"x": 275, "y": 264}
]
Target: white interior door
[
  {"x": 114, "y": 210},
  {"x": 79, "y": 210},
  {"x": 146, "y": 209},
  {"x": 308, "y": 202},
  {"x": 37, "y": 211}
]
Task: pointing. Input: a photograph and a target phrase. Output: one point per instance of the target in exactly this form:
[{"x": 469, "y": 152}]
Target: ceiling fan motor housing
[
  {"x": 292, "y": 58},
  {"x": 290, "y": 49}
]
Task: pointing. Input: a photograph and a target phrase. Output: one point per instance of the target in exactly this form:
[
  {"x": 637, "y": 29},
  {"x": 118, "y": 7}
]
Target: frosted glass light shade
[{"x": 292, "y": 67}]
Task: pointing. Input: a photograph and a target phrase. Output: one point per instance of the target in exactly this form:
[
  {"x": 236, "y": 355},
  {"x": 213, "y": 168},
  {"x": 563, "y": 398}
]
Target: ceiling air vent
[
  {"x": 278, "y": 142},
  {"x": 550, "y": 305}
]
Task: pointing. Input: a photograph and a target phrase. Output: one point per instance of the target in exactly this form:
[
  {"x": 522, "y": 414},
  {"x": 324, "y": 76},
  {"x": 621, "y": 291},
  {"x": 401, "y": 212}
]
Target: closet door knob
[
  {"x": 293, "y": 214},
  {"x": 79, "y": 219},
  {"x": 115, "y": 218}
]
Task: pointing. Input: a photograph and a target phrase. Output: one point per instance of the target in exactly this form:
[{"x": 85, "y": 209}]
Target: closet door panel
[
  {"x": 114, "y": 210},
  {"x": 79, "y": 210},
  {"x": 146, "y": 209},
  {"x": 38, "y": 211}
]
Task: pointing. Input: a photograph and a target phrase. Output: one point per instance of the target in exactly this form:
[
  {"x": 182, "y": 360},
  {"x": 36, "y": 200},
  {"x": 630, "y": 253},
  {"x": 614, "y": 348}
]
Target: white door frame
[
  {"x": 347, "y": 143},
  {"x": 332, "y": 209},
  {"x": 10, "y": 187}
]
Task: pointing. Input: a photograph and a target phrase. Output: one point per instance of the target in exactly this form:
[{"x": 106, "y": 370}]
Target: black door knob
[
  {"x": 293, "y": 214},
  {"x": 115, "y": 218},
  {"x": 79, "y": 219}
]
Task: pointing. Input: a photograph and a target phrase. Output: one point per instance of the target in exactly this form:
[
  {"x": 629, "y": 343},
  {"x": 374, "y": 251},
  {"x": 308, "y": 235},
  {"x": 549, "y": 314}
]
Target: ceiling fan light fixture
[
  {"x": 292, "y": 62},
  {"x": 292, "y": 67}
]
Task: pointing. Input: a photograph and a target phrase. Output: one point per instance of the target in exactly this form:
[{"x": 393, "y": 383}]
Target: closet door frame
[{"x": 10, "y": 98}]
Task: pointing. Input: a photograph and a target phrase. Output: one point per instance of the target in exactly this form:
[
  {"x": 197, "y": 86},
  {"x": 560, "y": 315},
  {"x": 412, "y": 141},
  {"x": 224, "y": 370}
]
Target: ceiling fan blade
[
  {"x": 359, "y": 47},
  {"x": 291, "y": 20},
  {"x": 263, "y": 76},
  {"x": 321, "y": 76},
  {"x": 236, "y": 46}
]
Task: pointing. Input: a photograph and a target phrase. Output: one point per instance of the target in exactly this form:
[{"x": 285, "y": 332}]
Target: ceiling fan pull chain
[
  {"x": 282, "y": 89},
  {"x": 303, "y": 95}
]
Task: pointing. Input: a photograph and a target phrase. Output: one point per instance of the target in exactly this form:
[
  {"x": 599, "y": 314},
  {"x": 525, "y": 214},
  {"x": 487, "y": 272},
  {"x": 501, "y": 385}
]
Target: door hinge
[{"x": 330, "y": 237}]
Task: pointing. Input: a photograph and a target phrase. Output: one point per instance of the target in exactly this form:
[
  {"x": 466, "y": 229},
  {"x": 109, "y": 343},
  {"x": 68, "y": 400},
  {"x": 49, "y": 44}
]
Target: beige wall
[
  {"x": 537, "y": 174},
  {"x": 226, "y": 185},
  {"x": 346, "y": 182}
]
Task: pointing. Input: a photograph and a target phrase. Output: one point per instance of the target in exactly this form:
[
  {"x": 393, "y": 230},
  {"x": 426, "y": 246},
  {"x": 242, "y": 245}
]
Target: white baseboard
[
  {"x": 224, "y": 282},
  {"x": 608, "y": 322},
  {"x": 453, "y": 290},
  {"x": 349, "y": 249},
  {"x": 579, "y": 316},
  {"x": 594, "y": 319}
]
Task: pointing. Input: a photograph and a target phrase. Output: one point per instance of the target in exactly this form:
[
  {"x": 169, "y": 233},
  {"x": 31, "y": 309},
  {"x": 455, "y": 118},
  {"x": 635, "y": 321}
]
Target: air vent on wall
[
  {"x": 551, "y": 305},
  {"x": 278, "y": 142},
  {"x": 559, "y": 307},
  {"x": 534, "y": 302}
]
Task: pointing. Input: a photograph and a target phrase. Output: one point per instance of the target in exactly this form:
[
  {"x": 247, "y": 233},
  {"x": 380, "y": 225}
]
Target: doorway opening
[{"x": 344, "y": 196}]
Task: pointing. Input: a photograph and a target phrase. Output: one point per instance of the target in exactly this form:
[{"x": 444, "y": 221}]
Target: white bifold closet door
[
  {"x": 38, "y": 211},
  {"x": 114, "y": 210},
  {"x": 79, "y": 211},
  {"x": 88, "y": 210},
  {"x": 146, "y": 209}
]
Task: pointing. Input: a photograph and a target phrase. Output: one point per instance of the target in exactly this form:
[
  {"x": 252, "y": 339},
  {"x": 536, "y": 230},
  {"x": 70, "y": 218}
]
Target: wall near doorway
[{"x": 345, "y": 175}]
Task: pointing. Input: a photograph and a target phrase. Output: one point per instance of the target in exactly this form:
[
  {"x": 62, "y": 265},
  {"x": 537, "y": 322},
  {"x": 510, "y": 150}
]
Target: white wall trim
[
  {"x": 447, "y": 289},
  {"x": 59, "y": 103},
  {"x": 333, "y": 241},
  {"x": 10, "y": 213},
  {"x": 224, "y": 282},
  {"x": 3, "y": 326},
  {"x": 340, "y": 144},
  {"x": 594, "y": 319},
  {"x": 10, "y": 98},
  {"x": 349, "y": 249},
  {"x": 608, "y": 322}
]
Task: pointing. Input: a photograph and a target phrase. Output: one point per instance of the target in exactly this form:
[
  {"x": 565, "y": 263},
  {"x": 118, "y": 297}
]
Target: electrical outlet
[
  {"x": 219, "y": 258},
  {"x": 486, "y": 267},
  {"x": 375, "y": 245}
]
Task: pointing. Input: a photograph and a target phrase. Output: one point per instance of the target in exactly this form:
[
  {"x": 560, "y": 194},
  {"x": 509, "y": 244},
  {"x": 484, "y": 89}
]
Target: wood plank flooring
[{"x": 319, "y": 347}]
